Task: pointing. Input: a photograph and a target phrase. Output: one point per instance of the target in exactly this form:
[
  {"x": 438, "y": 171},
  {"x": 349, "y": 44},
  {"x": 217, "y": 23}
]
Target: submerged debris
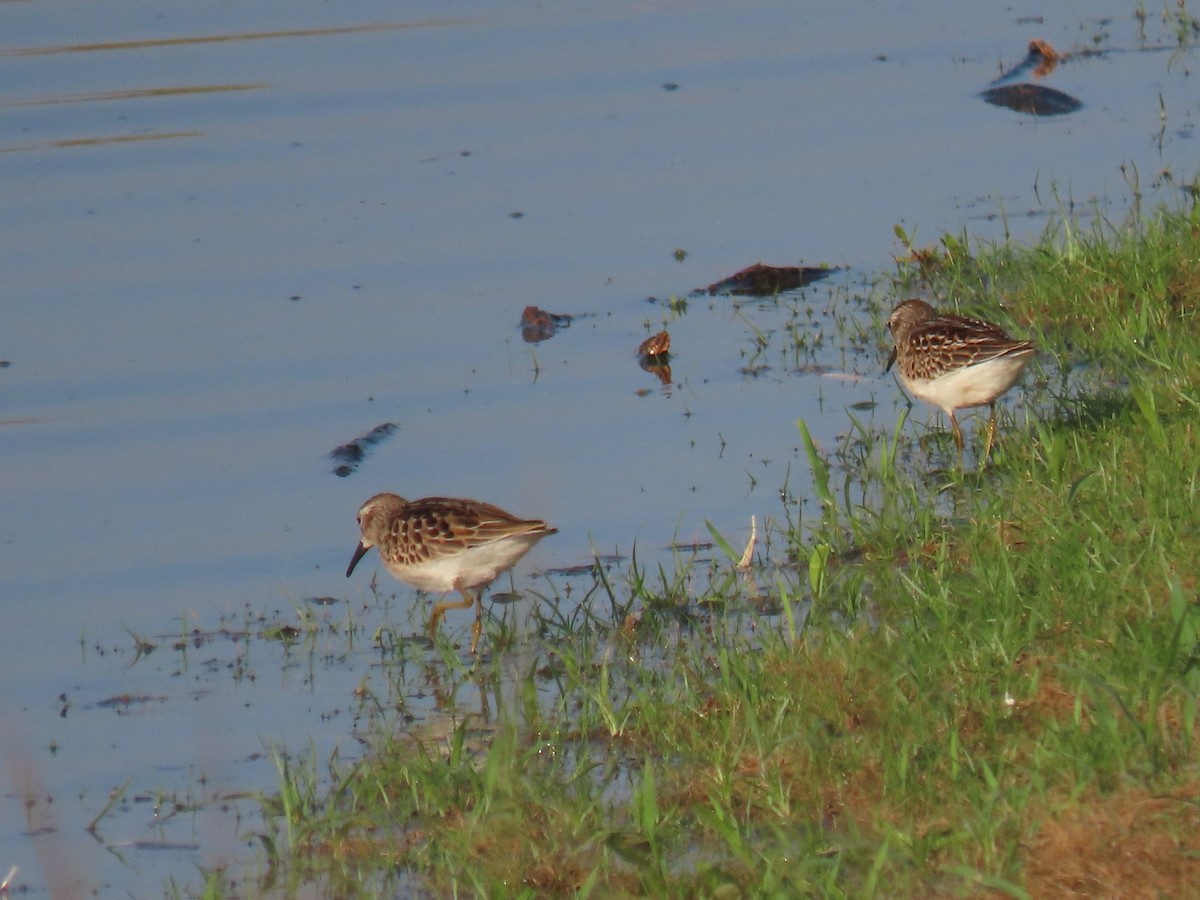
[
  {"x": 761, "y": 280},
  {"x": 654, "y": 356},
  {"x": 125, "y": 701},
  {"x": 538, "y": 325},
  {"x": 348, "y": 457},
  {"x": 1032, "y": 99}
]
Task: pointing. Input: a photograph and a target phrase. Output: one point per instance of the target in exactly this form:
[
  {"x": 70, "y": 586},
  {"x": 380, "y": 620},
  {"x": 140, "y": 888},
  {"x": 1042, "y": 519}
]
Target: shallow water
[{"x": 236, "y": 238}]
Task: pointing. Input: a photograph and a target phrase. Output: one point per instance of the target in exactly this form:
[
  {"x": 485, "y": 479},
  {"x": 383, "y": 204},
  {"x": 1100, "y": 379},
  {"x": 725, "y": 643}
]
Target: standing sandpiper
[
  {"x": 442, "y": 544},
  {"x": 955, "y": 362}
]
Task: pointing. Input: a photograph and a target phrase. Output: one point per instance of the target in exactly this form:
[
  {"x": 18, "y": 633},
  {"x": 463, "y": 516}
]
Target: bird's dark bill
[{"x": 359, "y": 553}]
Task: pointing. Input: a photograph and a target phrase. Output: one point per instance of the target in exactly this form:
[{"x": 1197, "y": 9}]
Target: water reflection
[
  {"x": 100, "y": 141},
  {"x": 229, "y": 38},
  {"x": 101, "y": 96}
]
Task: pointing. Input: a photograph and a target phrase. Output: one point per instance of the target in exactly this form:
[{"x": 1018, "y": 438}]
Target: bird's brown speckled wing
[
  {"x": 443, "y": 526},
  {"x": 950, "y": 342}
]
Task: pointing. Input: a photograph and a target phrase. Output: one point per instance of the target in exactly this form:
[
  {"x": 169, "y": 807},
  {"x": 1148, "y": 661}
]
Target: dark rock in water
[
  {"x": 348, "y": 457},
  {"x": 656, "y": 345},
  {"x": 1032, "y": 99},
  {"x": 538, "y": 325},
  {"x": 654, "y": 356},
  {"x": 761, "y": 280}
]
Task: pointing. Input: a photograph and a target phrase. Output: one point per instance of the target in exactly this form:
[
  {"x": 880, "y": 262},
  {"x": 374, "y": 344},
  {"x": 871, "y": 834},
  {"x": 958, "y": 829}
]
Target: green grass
[{"x": 994, "y": 690}]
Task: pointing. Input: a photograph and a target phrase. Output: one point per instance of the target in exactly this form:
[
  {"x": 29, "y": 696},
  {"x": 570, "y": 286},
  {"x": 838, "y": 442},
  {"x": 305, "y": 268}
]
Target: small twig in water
[{"x": 113, "y": 798}]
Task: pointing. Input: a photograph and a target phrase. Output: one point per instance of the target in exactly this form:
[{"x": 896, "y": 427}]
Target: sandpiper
[
  {"x": 443, "y": 544},
  {"x": 955, "y": 362}
]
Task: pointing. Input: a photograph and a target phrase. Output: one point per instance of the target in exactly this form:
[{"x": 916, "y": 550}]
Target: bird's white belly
[
  {"x": 465, "y": 569},
  {"x": 975, "y": 385}
]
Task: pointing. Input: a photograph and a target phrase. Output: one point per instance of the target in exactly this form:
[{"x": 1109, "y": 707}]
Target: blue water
[{"x": 234, "y": 237}]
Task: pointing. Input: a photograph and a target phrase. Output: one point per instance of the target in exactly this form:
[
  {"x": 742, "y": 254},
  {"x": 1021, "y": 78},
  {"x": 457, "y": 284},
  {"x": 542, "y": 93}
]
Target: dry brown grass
[{"x": 1131, "y": 844}]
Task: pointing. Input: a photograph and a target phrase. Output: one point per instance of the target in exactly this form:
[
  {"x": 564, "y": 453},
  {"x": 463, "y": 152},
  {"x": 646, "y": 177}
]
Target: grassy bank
[{"x": 993, "y": 691}]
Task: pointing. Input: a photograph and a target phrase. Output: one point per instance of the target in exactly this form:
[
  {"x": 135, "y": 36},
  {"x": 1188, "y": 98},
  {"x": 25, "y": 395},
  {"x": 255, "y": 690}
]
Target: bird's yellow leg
[
  {"x": 958, "y": 438},
  {"x": 991, "y": 435},
  {"x": 477, "y": 625},
  {"x": 440, "y": 608}
]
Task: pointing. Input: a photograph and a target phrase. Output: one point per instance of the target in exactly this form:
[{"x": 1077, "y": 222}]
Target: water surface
[{"x": 235, "y": 238}]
